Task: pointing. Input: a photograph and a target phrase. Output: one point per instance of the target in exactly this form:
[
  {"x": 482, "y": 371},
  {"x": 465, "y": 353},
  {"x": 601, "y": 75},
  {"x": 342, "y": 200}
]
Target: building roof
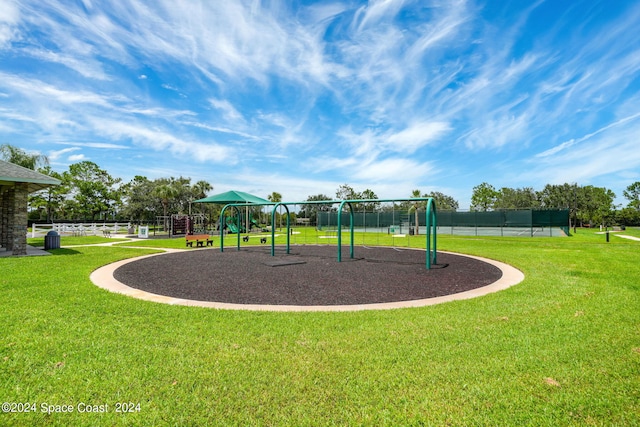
[{"x": 11, "y": 174}]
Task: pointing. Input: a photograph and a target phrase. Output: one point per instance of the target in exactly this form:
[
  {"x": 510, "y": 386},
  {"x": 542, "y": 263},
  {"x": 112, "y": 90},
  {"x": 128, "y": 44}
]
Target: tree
[
  {"x": 276, "y": 197},
  {"x": 628, "y": 216},
  {"x": 559, "y": 196},
  {"x": 166, "y": 191},
  {"x": 563, "y": 196},
  {"x": 415, "y": 206},
  {"x": 184, "y": 196},
  {"x": 93, "y": 190},
  {"x": 200, "y": 189},
  {"x": 346, "y": 192},
  {"x": 516, "y": 198},
  {"x": 51, "y": 198},
  {"x": 147, "y": 199},
  {"x": 18, "y": 156},
  {"x": 140, "y": 199},
  {"x": 311, "y": 210},
  {"x": 596, "y": 205},
  {"x": 443, "y": 202},
  {"x": 632, "y": 194},
  {"x": 483, "y": 197},
  {"x": 369, "y": 206}
]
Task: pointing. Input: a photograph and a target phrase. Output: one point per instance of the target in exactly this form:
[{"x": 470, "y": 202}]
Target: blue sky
[{"x": 300, "y": 97}]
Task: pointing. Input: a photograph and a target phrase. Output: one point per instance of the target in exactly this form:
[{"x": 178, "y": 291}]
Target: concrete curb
[{"x": 103, "y": 278}]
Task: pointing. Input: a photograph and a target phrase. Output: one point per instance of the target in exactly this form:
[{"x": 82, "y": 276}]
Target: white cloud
[
  {"x": 159, "y": 140},
  {"x": 604, "y": 153},
  {"x": 56, "y": 154},
  {"x": 369, "y": 145},
  {"x": 222, "y": 130},
  {"x": 9, "y": 17},
  {"x": 378, "y": 10},
  {"x": 391, "y": 170},
  {"x": 354, "y": 91},
  {"x": 229, "y": 112},
  {"x": 99, "y": 145},
  {"x": 38, "y": 89},
  {"x": 77, "y": 158},
  {"x": 498, "y": 133},
  {"x": 568, "y": 144},
  {"x": 316, "y": 14},
  {"x": 415, "y": 136},
  {"x": 86, "y": 66},
  {"x": 447, "y": 26}
]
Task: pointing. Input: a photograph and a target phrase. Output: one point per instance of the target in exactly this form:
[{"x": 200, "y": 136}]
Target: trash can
[{"x": 51, "y": 240}]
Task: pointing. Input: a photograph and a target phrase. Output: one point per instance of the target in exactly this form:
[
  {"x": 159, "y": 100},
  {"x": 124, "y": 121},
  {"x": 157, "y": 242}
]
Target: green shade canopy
[{"x": 233, "y": 197}]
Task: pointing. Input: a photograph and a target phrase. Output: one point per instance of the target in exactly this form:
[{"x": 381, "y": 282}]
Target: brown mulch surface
[{"x": 309, "y": 275}]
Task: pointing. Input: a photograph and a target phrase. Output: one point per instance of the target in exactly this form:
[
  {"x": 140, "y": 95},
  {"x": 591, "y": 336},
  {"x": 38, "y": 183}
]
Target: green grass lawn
[
  {"x": 560, "y": 348},
  {"x": 38, "y": 242}
]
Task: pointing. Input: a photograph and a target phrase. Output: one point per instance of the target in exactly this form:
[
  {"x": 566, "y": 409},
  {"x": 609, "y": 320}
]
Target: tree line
[
  {"x": 587, "y": 205},
  {"x": 90, "y": 193}
]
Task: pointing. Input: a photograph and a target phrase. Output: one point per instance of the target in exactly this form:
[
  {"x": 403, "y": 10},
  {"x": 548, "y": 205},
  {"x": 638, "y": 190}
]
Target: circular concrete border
[{"x": 103, "y": 278}]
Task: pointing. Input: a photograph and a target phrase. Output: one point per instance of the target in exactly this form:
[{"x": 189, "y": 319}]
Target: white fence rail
[{"x": 81, "y": 229}]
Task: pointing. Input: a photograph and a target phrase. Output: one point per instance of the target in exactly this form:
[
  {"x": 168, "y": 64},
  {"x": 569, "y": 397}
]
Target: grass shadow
[{"x": 64, "y": 251}]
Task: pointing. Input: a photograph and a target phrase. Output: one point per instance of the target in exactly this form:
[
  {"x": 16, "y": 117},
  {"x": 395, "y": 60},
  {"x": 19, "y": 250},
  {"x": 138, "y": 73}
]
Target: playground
[
  {"x": 305, "y": 276},
  {"x": 309, "y": 277}
]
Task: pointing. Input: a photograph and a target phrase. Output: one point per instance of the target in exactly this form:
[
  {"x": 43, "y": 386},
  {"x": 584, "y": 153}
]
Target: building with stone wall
[{"x": 16, "y": 183}]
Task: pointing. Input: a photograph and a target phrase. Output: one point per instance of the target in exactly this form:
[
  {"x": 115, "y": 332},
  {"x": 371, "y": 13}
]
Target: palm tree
[
  {"x": 276, "y": 197},
  {"x": 19, "y": 157},
  {"x": 415, "y": 207},
  {"x": 166, "y": 192},
  {"x": 201, "y": 188}
]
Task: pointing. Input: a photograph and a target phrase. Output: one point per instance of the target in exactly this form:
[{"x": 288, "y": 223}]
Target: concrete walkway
[
  {"x": 624, "y": 236},
  {"x": 31, "y": 251}
]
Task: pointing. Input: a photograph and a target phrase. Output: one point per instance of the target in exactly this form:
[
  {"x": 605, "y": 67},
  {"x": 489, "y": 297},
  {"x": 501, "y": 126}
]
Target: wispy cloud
[
  {"x": 77, "y": 158},
  {"x": 163, "y": 141},
  {"x": 229, "y": 112},
  {"x": 415, "y": 136},
  {"x": 568, "y": 144},
  {"x": 9, "y": 18},
  {"x": 98, "y": 145},
  {"x": 87, "y": 67},
  {"x": 56, "y": 154},
  {"x": 392, "y": 170},
  {"x": 610, "y": 151},
  {"x": 38, "y": 89},
  {"x": 374, "y": 91}
]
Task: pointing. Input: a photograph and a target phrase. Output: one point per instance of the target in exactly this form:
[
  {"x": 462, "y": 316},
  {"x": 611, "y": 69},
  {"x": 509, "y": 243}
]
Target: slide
[{"x": 232, "y": 228}]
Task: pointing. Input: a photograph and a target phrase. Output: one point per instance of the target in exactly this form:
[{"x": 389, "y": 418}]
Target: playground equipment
[
  {"x": 389, "y": 220},
  {"x": 179, "y": 225},
  {"x": 430, "y": 220},
  {"x": 238, "y": 227}
]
